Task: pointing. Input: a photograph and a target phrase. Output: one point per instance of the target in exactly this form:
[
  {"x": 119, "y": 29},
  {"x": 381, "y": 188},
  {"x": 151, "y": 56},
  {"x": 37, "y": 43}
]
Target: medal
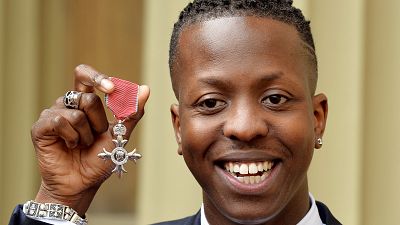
[{"x": 122, "y": 102}]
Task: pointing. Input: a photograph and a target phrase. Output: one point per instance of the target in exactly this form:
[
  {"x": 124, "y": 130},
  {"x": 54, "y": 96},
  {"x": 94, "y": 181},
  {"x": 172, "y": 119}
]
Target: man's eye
[
  {"x": 275, "y": 100},
  {"x": 211, "y": 103}
]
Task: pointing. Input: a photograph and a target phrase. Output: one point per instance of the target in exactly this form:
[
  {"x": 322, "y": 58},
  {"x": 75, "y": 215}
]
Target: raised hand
[{"x": 67, "y": 142}]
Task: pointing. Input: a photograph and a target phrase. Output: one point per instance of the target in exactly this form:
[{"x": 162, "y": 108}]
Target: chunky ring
[{"x": 71, "y": 99}]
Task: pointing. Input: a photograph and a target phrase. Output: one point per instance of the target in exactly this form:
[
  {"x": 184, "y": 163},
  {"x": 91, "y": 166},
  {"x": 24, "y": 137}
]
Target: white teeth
[
  {"x": 244, "y": 169},
  {"x": 250, "y": 170},
  {"x": 266, "y": 165},
  {"x": 253, "y": 168},
  {"x": 230, "y": 167},
  {"x": 260, "y": 167},
  {"x": 265, "y": 175},
  {"x": 236, "y": 168},
  {"x": 252, "y": 179}
]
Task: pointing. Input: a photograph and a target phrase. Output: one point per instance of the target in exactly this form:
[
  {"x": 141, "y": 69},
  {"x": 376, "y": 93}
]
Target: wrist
[{"x": 79, "y": 202}]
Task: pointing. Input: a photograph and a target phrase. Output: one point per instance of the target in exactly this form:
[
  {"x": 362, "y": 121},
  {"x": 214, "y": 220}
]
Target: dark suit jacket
[{"x": 18, "y": 218}]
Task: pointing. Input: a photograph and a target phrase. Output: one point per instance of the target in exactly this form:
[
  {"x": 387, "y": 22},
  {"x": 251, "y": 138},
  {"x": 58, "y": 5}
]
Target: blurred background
[{"x": 356, "y": 173}]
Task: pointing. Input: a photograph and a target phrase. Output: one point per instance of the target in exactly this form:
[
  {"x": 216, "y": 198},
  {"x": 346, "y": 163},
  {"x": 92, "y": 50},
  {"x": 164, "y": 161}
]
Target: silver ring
[{"x": 71, "y": 99}]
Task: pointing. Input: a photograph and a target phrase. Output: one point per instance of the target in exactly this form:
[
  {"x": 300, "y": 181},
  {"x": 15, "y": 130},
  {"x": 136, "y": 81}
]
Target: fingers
[
  {"x": 87, "y": 79},
  {"x": 74, "y": 126},
  {"x": 80, "y": 126},
  {"x": 92, "y": 106},
  {"x": 78, "y": 120},
  {"x": 69, "y": 125}
]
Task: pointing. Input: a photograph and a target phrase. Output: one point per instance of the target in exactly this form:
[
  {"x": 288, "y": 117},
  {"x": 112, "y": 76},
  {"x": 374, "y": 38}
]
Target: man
[{"x": 244, "y": 73}]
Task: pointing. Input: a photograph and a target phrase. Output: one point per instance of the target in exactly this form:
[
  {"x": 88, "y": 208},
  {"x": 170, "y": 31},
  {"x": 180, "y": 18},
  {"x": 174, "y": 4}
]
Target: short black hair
[{"x": 280, "y": 10}]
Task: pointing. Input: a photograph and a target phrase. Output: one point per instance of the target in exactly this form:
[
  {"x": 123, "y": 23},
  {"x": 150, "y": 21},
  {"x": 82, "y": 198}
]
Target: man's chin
[{"x": 242, "y": 213}]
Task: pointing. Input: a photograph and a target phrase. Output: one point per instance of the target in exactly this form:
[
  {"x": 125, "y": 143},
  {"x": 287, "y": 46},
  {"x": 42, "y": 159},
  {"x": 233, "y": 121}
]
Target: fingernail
[
  {"x": 107, "y": 84},
  {"x": 143, "y": 87}
]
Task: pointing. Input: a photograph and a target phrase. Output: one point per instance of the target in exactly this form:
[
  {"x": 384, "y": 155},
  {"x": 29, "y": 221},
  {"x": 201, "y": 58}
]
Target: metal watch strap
[{"x": 52, "y": 211}]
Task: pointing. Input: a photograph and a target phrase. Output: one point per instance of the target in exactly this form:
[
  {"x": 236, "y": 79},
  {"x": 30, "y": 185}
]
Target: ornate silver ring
[{"x": 71, "y": 99}]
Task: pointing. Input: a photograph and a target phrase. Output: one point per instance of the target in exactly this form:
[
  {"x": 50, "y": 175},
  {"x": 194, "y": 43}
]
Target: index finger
[{"x": 87, "y": 79}]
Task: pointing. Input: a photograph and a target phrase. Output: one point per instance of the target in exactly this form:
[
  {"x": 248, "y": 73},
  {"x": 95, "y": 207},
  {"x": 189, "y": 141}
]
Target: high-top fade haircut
[{"x": 280, "y": 10}]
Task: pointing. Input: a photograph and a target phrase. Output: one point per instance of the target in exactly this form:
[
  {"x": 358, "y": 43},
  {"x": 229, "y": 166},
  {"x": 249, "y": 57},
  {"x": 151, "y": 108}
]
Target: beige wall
[
  {"x": 381, "y": 167},
  {"x": 335, "y": 176},
  {"x": 18, "y": 102},
  {"x": 356, "y": 172}
]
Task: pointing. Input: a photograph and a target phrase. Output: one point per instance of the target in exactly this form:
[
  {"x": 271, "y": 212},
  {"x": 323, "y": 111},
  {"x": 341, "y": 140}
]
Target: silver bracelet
[{"x": 52, "y": 211}]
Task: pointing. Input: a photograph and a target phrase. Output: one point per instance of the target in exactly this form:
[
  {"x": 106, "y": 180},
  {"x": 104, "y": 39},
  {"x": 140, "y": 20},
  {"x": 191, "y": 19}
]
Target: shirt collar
[{"x": 311, "y": 218}]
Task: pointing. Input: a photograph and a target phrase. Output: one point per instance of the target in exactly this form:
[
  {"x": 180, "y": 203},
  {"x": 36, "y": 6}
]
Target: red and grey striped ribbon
[{"x": 123, "y": 101}]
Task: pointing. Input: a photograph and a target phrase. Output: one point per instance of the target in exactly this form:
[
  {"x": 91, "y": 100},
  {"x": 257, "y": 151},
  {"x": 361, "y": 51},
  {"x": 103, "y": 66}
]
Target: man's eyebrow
[
  {"x": 222, "y": 83},
  {"x": 268, "y": 78},
  {"x": 214, "y": 81}
]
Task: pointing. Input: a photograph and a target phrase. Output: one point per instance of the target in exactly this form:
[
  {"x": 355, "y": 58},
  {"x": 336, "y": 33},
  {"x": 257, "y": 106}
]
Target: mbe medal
[{"x": 123, "y": 102}]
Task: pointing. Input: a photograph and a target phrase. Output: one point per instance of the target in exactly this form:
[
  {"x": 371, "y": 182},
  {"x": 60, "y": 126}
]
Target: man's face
[{"x": 247, "y": 122}]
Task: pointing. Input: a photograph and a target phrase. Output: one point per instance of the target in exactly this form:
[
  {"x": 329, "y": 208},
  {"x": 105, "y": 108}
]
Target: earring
[{"x": 319, "y": 141}]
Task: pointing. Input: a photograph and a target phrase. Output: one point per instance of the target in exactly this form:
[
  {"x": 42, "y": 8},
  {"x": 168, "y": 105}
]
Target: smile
[{"x": 249, "y": 172}]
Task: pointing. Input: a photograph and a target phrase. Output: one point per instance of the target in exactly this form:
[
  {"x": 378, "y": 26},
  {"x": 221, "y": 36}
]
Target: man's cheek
[
  {"x": 300, "y": 132},
  {"x": 196, "y": 133}
]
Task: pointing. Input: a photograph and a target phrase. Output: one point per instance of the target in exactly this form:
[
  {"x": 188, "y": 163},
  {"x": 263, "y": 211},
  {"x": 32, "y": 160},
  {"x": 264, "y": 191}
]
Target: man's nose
[{"x": 245, "y": 123}]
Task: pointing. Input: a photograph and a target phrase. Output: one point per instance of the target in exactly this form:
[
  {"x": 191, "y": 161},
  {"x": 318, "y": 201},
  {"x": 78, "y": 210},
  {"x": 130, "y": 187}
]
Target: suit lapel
[{"x": 326, "y": 215}]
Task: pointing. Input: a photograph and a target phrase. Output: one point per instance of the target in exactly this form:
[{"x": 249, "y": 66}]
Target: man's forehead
[
  {"x": 238, "y": 35},
  {"x": 235, "y": 39},
  {"x": 220, "y": 32}
]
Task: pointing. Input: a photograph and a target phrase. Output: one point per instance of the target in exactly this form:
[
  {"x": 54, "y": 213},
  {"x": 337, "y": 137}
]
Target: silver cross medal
[{"x": 119, "y": 156}]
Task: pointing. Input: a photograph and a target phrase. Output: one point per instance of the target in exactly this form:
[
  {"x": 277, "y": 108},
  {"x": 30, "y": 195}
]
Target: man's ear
[
  {"x": 177, "y": 125},
  {"x": 320, "y": 104}
]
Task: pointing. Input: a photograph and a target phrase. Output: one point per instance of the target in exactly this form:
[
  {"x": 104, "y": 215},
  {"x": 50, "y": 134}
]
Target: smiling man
[
  {"x": 247, "y": 123},
  {"x": 247, "y": 119}
]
